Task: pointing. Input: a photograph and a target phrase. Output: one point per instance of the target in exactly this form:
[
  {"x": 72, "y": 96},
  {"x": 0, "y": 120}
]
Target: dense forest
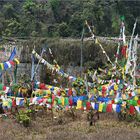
[{"x": 65, "y": 18}]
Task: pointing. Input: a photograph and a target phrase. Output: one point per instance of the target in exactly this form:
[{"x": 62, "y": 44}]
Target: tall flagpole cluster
[{"x": 128, "y": 64}]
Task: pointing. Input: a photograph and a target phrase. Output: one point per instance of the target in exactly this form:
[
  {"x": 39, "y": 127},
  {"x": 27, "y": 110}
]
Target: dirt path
[{"x": 44, "y": 129}]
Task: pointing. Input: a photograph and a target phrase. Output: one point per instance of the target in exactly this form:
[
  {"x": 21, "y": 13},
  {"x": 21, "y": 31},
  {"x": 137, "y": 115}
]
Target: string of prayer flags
[
  {"x": 52, "y": 67},
  {"x": 8, "y": 64}
]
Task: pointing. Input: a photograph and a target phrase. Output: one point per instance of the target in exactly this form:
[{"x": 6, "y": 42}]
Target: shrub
[{"x": 22, "y": 117}]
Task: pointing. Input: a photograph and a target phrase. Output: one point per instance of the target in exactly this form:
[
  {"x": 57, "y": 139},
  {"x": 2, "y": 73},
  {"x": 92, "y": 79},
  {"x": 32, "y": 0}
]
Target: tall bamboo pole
[{"x": 82, "y": 42}]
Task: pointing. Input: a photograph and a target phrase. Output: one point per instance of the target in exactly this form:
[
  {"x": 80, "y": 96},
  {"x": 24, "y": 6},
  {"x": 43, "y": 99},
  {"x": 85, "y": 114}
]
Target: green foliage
[
  {"x": 78, "y": 82},
  {"x": 63, "y": 30},
  {"x": 15, "y": 88},
  {"x": 138, "y": 118},
  {"x": 23, "y": 118},
  {"x": 29, "y": 7},
  {"x": 66, "y": 18},
  {"x": 8, "y": 11}
]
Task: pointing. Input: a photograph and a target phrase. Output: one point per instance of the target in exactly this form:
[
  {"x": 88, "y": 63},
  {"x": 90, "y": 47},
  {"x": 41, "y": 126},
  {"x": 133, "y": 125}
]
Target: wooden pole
[
  {"x": 135, "y": 60},
  {"x": 52, "y": 107},
  {"x": 82, "y": 42},
  {"x": 34, "y": 74}
]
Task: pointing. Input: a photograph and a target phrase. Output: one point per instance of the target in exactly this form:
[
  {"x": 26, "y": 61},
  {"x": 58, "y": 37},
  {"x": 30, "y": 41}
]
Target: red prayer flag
[
  {"x": 123, "y": 51},
  {"x": 113, "y": 101},
  {"x": 70, "y": 92},
  {"x": 42, "y": 86},
  {"x": 70, "y": 102},
  {"x": 12, "y": 62},
  {"x": 109, "y": 108},
  {"x": 88, "y": 105},
  {"x": 13, "y": 102},
  {"x": 138, "y": 102},
  {"x": 130, "y": 95},
  {"x": 132, "y": 109},
  {"x": 4, "y": 87}
]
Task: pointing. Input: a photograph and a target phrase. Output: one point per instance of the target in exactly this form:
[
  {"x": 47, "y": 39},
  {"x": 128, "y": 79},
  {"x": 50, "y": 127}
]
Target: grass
[{"x": 43, "y": 128}]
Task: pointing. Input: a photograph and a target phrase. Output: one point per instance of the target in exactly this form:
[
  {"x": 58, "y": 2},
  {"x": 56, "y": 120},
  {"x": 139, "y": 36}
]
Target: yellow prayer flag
[
  {"x": 55, "y": 103},
  {"x": 136, "y": 98},
  {"x": 100, "y": 107},
  {"x": 16, "y": 60},
  {"x": 96, "y": 41},
  {"x": 5, "y": 103},
  {"x": 115, "y": 87},
  {"x": 95, "y": 91},
  {"x": 124, "y": 67},
  {"x": 63, "y": 101},
  {"x": 2, "y": 66},
  {"x": 79, "y": 104},
  {"x": 111, "y": 92},
  {"x": 100, "y": 93},
  {"x": 138, "y": 91}
]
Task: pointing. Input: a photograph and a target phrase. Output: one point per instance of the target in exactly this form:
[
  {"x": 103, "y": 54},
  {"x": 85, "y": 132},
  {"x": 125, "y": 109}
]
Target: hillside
[{"x": 66, "y": 18}]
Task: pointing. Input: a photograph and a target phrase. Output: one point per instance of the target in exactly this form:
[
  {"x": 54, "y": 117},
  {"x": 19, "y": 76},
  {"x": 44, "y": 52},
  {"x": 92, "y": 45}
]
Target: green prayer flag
[
  {"x": 59, "y": 101},
  {"x": 66, "y": 101},
  {"x": 84, "y": 103},
  {"x": 49, "y": 100},
  {"x": 0, "y": 67},
  {"x": 1, "y": 86},
  {"x": 122, "y": 18},
  {"x": 131, "y": 102},
  {"x": 134, "y": 102},
  {"x": 104, "y": 107}
]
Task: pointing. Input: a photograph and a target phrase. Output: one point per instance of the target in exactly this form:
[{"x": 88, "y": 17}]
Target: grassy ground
[{"x": 42, "y": 128}]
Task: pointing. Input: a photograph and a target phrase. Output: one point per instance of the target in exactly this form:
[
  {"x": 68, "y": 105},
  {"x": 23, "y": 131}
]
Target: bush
[
  {"x": 138, "y": 118},
  {"x": 22, "y": 117}
]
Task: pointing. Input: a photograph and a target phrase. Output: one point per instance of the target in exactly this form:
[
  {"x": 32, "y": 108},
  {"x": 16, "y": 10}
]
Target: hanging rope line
[{"x": 97, "y": 42}]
